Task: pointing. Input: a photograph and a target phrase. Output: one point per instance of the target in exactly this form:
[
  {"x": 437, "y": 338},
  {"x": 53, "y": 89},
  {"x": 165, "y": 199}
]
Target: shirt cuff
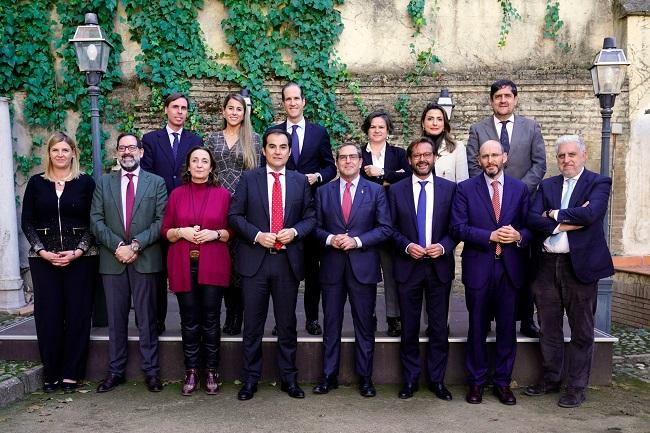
[
  {"x": 295, "y": 232},
  {"x": 255, "y": 240},
  {"x": 358, "y": 241},
  {"x": 406, "y": 250},
  {"x": 320, "y": 178},
  {"x": 557, "y": 229},
  {"x": 554, "y": 214},
  {"x": 328, "y": 241},
  {"x": 443, "y": 249}
]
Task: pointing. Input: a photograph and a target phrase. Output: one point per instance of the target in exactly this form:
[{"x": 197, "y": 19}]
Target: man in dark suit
[
  {"x": 353, "y": 220},
  {"x": 567, "y": 217},
  {"x": 522, "y": 140},
  {"x": 311, "y": 155},
  {"x": 489, "y": 215},
  {"x": 164, "y": 154},
  {"x": 272, "y": 212},
  {"x": 126, "y": 216},
  {"x": 420, "y": 207}
]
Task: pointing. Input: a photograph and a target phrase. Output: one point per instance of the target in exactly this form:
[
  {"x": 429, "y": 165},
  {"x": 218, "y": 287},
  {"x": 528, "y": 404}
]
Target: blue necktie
[
  {"x": 570, "y": 184},
  {"x": 175, "y": 144},
  {"x": 295, "y": 144},
  {"x": 504, "y": 139},
  {"x": 422, "y": 215}
]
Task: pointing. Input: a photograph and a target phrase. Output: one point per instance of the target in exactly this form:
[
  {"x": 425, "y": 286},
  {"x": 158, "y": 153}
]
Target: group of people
[{"x": 246, "y": 219}]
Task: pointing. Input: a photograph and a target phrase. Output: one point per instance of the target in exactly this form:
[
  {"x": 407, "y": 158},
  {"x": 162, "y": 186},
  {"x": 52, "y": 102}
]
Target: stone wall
[{"x": 631, "y": 299}]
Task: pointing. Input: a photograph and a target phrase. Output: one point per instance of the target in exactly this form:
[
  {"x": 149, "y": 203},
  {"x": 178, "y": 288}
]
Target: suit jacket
[
  {"x": 589, "y": 253},
  {"x": 369, "y": 220},
  {"x": 159, "y": 159},
  {"x": 473, "y": 220},
  {"x": 107, "y": 221},
  {"x": 394, "y": 160},
  {"x": 249, "y": 214},
  {"x": 527, "y": 156},
  {"x": 315, "y": 155},
  {"x": 405, "y": 226}
]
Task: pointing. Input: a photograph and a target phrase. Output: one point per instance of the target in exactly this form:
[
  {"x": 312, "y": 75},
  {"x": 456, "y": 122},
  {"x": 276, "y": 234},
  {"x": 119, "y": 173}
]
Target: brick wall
[{"x": 631, "y": 299}]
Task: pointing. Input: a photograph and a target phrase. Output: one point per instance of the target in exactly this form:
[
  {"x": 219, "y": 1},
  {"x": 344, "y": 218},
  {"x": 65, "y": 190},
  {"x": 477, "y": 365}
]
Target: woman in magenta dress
[{"x": 198, "y": 262}]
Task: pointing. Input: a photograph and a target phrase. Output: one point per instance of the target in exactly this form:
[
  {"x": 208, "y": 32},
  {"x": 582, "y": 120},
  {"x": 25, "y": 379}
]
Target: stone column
[{"x": 12, "y": 296}]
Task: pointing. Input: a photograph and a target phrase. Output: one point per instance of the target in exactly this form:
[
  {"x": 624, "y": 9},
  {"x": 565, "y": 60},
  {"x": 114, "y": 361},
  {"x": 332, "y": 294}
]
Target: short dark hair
[
  {"x": 128, "y": 134},
  {"x": 174, "y": 96},
  {"x": 500, "y": 84},
  {"x": 349, "y": 143},
  {"x": 213, "y": 178},
  {"x": 412, "y": 144},
  {"x": 290, "y": 84},
  {"x": 273, "y": 131},
  {"x": 365, "y": 127}
]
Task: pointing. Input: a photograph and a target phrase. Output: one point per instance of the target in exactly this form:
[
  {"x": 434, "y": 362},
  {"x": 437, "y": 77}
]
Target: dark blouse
[
  {"x": 58, "y": 224},
  {"x": 394, "y": 160},
  {"x": 230, "y": 161}
]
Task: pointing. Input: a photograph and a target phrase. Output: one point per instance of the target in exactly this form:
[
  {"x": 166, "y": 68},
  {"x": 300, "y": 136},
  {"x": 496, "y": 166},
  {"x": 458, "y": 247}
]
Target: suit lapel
[
  {"x": 506, "y": 200},
  {"x": 556, "y": 192},
  {"x": 115, "y": 185},
  {"x": 291, "y": 191},
  {"x": 410, "y": 199},
  {"x": 491, "y": 129},
  {"x": 484, "y": 195},
  {"x": 359, "y": 197},
  {"x": 165, "y": 146},
  {"x": 335, "y": 198},
  {"x": 437, "y": 197},
  {"x": 578, "y": 190},
  {"x": 262, "y": 187},
  {"x": 305, "y": 140},
  {"x": 143, "y": 185}
]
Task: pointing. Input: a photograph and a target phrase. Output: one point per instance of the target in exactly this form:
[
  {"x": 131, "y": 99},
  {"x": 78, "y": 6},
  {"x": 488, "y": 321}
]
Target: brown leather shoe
[
  {"x": 474, "y": 394},
  {"x": 191, "y": 382},
  {"x": 211, "y": 381},
  {"x": 504, "y": 394}
]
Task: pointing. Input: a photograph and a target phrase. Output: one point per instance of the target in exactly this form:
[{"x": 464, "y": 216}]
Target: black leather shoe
[
  {"x": 161, "y": 328},
  {"x": 407, "y": 390},
  {"x": 235, "y": 328},
  {"x": 153, "y": 383},
  {"x": 274, "y": 331},
  {"x": 394, "y": 326},
  {"x": 227, "y": 324},
  {"x": 110, "y": 382},
  {"x": 542, "y": 388},
  {"x": 439, "y": 389},
  {"x": 292, "y": 389},
  {"x": 529, "y": 330},
  {"x": 366, "y": 387},
  {"x": 328, "y": 384},
  {"x": 69, "y": 387},
  {"x": 572, "y": 397},
  {"x": 504, "y": 394},
  {"x": 313, "y": 327},
  {"x": 474, "y": 394},
  {"x": 247, "y": 391},
  {"x": 49, "y": 388}
]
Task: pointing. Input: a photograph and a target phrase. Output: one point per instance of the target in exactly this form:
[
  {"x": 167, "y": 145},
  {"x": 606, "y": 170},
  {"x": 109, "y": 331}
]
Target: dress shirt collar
[
  {"x": 382, "y": 152},
  {"x": 415, "y": 180},
  {"x": 301, "y": 124},
  {"x": 355, "y": 181},
  {"x": 135, "y": 172},
  {"x": 171, "y": 131},
  {"x": 576, "y": 177},
  {"x": 269, "y": 170},
  {"x": 499, "y": 179},
  {"x": 497, "y": 122}
]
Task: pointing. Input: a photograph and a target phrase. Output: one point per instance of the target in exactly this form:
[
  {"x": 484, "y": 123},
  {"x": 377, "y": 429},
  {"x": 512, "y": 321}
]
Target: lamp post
[
  {"x": 445, "y": 101},
  {"x": 93, "y": 51},
  {"x": 607, "y": 75}
]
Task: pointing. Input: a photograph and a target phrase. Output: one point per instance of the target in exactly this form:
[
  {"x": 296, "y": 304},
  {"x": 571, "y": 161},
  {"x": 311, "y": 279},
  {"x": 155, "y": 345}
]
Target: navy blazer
[
  {"x": 159, "y": 159},
  {"x": 589, "y": 253},
  {"x": 249, "y": 214},
  {"x": 369, "y": 220},
  {"x": 405, "y": 226},
  {"x": 394, "y": 160},
  {"x": 315, "y": 155},
  {"x": 473, "y": 220}
]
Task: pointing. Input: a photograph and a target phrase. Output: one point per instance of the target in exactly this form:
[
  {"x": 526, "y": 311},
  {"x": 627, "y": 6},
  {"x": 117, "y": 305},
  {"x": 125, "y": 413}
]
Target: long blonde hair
[
  {"x": 246, "y": 145},
  {"x": 56, "y": 138}
]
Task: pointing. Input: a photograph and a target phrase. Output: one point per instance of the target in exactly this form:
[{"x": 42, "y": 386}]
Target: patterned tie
[
  {"x": 346, "y": 205},
  {"x": 295, "y": 144},
  {"x": 277, "y": 214},
  {"x": 422, "y": 214},
  {"x": 130, "y": 199},
  {"x": 570, "y": 184},
  {"x": 504, "y": 139},
  {"x": 175, "y": 144},
  {"x": 496, "y": 205}
]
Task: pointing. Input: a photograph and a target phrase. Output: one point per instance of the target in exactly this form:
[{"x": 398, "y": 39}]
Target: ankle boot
[
  {"x": 211, "y": 381},
  {"x": 191, "y": 383}
]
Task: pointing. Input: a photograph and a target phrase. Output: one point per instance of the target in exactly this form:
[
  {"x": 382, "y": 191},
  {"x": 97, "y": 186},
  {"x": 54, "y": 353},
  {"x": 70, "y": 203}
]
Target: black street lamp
[
  {"x": 607, "y": 75},
  {"x": 445, "y": 101},
  {"x": 93, "y": 51}
]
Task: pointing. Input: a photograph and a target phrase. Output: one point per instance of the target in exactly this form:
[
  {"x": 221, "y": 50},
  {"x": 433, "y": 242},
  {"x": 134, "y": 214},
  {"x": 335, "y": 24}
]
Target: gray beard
[{"x": 136, "y": 164}]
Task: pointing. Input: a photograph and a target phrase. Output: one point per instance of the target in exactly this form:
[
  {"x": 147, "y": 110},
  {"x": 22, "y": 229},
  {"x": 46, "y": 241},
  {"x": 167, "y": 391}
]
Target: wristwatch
[{"x": 135, "y": 246}]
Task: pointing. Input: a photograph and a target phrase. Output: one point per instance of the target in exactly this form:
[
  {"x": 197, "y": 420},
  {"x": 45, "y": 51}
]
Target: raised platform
[{"x": 19, "y": 342}]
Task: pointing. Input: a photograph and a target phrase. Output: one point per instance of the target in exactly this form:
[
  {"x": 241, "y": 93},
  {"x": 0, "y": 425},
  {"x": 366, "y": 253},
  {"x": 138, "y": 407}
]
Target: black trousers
[
  {"x": 63, "y": 299},
  {"x": 200, "y": 311},
  {"x": 233, "y": 296},
  {"x": 161, "y": 288}
]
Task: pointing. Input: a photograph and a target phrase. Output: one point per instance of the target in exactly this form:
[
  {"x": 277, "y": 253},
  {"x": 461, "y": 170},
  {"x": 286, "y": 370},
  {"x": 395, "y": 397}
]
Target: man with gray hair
[{"x": 567, "y": 218}]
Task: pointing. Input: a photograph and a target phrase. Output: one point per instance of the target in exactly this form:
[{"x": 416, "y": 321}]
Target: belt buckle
[
  {"x": 194, "y": 254},
  {"x": 273, "y": 251},
  {"x": 497, "y": 257}
]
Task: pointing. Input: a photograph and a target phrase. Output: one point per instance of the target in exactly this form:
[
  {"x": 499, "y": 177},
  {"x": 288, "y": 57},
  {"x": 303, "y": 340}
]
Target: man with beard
[
  {"x": 488, "y": 214},
  {"x": 125, "y": 217},
  {"x": 420, "y": 207}
]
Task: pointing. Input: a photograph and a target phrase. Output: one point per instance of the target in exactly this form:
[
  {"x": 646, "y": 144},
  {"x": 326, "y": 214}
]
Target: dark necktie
[
  {"x": 175, "y": 144},
  {"x": 295, "y": 144},
  {"x": 422, "y": 214},
  {"x": 277, "y": 214},
  {"x": 130, "y": 199},
  {"x": 346, "y": 204},
  {"x": 504, "y": 139},
  {"x": 496, "y": 205}
]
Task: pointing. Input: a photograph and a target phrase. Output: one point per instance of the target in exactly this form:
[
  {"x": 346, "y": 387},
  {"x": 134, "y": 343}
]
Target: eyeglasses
[
  {"x": 425, "y": 155},
  {"x": 131, "y": 148},
  {"x": 352, "y": 157}
]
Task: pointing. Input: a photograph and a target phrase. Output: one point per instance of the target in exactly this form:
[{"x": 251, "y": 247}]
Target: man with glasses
[{"x": 353, "y": 220}]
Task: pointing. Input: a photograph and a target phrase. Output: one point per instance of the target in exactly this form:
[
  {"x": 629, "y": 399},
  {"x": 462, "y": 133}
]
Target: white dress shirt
[
  {"x": 377, "y": 161},
  {"x": 170, "y": 136},
  {"x": 270, "y": 180},
  {"x": 561, "y": 246},
  {"x": 428, "y": 190},
  {"x": 353, "y": 190},
  {"x": 509, "y": 126},
  {"x": 300, "y": 131}
]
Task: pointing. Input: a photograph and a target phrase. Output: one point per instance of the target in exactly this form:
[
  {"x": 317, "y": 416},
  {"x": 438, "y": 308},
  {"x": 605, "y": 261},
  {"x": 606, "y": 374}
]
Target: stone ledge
[
  {"x": 15, "y": 388},
  {"x": 633, "y": 264}
]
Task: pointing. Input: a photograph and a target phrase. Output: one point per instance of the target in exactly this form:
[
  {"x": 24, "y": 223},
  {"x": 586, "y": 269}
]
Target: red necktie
[
  {"x": 130, "y": 199},
  {"x": 277, "y": 214},
  {"x": 496, "y": 205},
  {"x": 346, "y": 205}
]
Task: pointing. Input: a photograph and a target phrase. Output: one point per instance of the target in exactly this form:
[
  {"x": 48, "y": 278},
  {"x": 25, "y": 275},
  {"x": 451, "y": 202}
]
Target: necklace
[{"x": 62, "y": 182}]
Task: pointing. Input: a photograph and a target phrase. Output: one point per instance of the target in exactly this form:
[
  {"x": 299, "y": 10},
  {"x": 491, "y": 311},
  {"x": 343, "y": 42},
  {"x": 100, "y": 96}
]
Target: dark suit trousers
[
  {"x": 62, "y": 309},
  {"x": 161, "y": 287},
  {"x": 424, "y": 281},
  {"x": 556, "y": 289},
  {"x": 312, "y": 282},
  {"x": 500, "y": 297},
  {"x": 274, "y": 278},
  {"x": 233, "y": 295},
  {"x": 362, "y": 303},
  {"x": 119, "y": 289}
]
